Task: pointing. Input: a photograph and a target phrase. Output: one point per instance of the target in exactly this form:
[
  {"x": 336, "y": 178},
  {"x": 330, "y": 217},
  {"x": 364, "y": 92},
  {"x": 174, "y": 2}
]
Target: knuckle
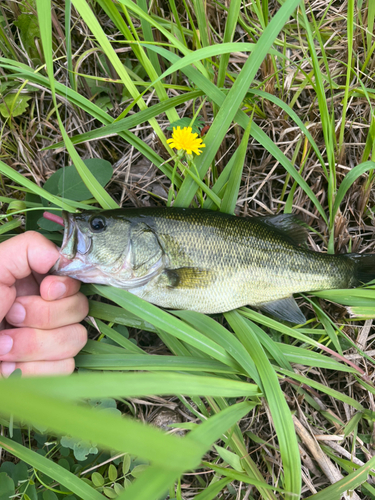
[
  {"x": 81, "y": 335},
  {"x": 44, "y": 315},
  {"x": 68, "y": 367},
  {"x": 82, "y": 305}
]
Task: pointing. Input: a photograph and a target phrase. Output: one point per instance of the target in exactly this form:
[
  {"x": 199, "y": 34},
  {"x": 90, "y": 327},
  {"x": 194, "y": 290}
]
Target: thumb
[{"x": 19, "y": 256}]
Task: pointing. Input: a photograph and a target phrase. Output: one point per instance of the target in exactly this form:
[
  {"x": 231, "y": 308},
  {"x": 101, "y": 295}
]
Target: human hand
[{"x": 39, "y": 316}]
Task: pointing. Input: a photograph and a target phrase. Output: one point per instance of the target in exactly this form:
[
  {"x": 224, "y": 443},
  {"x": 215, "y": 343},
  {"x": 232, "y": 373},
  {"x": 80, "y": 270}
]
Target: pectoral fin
[
  {"x": 284, "y": 309},
  {"x": 187, "y": 277}
]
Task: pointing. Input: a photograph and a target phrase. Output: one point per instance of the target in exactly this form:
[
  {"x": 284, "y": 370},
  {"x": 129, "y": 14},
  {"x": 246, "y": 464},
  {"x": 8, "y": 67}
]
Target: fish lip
[{"x": 69, "y": 226}]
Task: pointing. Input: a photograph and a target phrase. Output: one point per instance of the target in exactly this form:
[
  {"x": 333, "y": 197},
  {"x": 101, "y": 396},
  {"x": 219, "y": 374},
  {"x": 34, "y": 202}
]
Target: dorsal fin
[{"x": 289, "y": 225}]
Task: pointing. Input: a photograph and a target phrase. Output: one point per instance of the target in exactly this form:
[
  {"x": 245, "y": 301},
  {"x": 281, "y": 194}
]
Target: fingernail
[
  {"x": 56, "y": 290},
  {"x": 16, "y": 314},
  {"x": 7, "y": 368},
  {"x": 6, "y": 344}
]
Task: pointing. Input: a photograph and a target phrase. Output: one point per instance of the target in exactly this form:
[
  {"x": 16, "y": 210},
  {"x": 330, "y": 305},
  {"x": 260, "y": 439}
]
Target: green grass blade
[
  {"x": 203, "y": 23},
  {"x": 273, "y": 348},
  {"x": 328, "y": 129},
  {"x": 348, "y": 181},
  {"x": 212, "y": 491},
  {"x": 323, "y": 388},
  {"x": 285, "y": 107},
  {"x": 118, "y": 338},
  {"x": 9, "y": 226},
  {"x": 223, "y": 337},
  {"x": 350, "y": 30},
  {"x": 346, "y": 484},
  {"x": 151, "y": 485},
  {"x": 230, "y": 197},
  {"x": 68, "y": 42},
  {"x": 102, "y": 385},
  {"x": 172, "y": 39},
  {"x": 280, "y": 411},
  {"x": 240, "y": 476},
  {"x": 211, "y": 429},
  {"x": 149, "y": 37},
  {"x": 109, "y": 312},
  {"x": 230, "y": 27},
  {"x": 51, "y": 469},
  {"x": 151, "y": 363},
  {"x": 151, "y": 63},
  {"x": 164, "y": 321},
  {"x": 133, "y": 120},
  {"x": 307, "y": 357}
]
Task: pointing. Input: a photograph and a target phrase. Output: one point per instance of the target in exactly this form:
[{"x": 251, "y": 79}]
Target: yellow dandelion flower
[{"x": 184, "y": 139}]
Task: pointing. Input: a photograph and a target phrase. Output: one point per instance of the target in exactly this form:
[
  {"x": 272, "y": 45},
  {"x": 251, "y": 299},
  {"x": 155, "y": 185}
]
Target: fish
[{"x": 204, "y": 261}]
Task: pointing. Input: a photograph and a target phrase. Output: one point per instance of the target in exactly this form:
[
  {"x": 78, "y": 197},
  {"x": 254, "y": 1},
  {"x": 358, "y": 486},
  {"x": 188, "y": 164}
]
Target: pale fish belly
[{"x": 251, "y": 287}]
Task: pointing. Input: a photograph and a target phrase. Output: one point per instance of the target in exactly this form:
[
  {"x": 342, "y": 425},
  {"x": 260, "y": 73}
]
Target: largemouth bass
[{"x": 204, "y": 261}]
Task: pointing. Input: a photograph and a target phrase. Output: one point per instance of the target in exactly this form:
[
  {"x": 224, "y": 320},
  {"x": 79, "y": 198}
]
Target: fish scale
[{"x": 205, "y": 261}]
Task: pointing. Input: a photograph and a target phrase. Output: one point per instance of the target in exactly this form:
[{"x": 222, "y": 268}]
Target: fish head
[{"x": 102, "y": 248}]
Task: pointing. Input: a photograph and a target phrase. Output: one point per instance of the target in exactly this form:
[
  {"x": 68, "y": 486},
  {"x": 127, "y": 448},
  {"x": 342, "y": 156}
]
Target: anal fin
[{"x": 285, "y": 309}]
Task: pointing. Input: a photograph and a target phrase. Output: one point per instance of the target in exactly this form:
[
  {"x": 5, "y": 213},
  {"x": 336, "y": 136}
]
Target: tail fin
[{"x": 364, "y": 268}]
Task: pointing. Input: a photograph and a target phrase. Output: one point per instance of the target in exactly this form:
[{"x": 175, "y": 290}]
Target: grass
[{"x": 264, "y": 410}]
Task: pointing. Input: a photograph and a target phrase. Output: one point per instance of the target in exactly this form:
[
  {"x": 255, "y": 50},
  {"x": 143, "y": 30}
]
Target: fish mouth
[{"x": 74, "y": 249}]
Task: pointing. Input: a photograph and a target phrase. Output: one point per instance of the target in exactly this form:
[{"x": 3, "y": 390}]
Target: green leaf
[
  {"x": 115, "y": 385},
  {"x": 97, "y": 479},
  {"x": 20, "y": 473},
  {"x": 50, "y": 495},
  {"x": 70, "y": 184},
  {"x": 14, "y": 105},
  {"x": 7, "y": 489},
  {"x": 139, "y": 469},
  {"x": 126, "y": 463},
  {"x": 186, "y": 122},
  {"x": 109, "y": 492},
  {"x": 231, "y": 458},
  {"x": 48, "y": 225},
  {"x": 112, "y": 472},
  {"x": 29, "y": 29}
]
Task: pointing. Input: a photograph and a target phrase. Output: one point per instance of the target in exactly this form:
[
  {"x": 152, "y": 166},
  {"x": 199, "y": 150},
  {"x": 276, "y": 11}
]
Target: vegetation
[{"x": 283, "y": 93}]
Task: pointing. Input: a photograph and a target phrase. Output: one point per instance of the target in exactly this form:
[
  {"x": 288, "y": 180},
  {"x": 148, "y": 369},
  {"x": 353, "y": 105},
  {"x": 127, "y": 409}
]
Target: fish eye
[{"x": 97, "y": 224}]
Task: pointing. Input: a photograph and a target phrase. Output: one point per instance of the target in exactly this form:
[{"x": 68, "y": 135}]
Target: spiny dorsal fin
[
  {"x": 188, "y": 277},
  {"x": 285, "y": 309},
  {"x": 289, "y": 225}
]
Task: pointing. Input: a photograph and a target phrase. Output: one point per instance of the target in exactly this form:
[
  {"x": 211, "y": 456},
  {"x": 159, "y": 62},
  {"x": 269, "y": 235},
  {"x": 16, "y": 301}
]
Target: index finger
[{"x": 19, "y": 256}]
